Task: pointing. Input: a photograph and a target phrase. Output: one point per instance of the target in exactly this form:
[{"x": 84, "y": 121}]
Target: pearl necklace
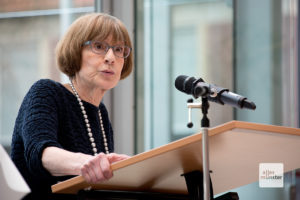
[{"x": 88, "y": 127}]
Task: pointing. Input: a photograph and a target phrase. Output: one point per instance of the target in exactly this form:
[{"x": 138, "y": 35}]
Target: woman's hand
[
  {"x": 98, "y": 168},
  {"x": 60, "y": 162}
]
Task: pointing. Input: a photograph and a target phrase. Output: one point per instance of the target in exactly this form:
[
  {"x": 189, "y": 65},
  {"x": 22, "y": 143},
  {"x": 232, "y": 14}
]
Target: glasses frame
[{"x": 90, "y": 43}]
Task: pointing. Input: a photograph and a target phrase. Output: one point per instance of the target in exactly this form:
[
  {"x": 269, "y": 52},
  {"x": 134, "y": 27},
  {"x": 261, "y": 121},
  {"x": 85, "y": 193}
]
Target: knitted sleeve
[{"x": 40, "y": 124}]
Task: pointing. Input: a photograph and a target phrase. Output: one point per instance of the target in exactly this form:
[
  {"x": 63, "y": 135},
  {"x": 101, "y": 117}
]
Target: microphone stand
[
  {"x": 205, "y": 148},
  {"x": 206, "y": 183},
  {"x": 197, "y": 87}
]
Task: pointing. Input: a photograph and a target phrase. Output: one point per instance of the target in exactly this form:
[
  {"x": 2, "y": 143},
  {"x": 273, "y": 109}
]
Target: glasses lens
[
  {"x": 122, "y": 51},
  {"x": 99, "y": 47}
]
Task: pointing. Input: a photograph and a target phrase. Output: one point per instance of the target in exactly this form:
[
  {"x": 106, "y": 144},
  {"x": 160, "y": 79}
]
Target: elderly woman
[{"x": 64, "y": 130}]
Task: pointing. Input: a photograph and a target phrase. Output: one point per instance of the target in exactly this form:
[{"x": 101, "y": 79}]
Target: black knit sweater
[{"x": 50, "y": 116}]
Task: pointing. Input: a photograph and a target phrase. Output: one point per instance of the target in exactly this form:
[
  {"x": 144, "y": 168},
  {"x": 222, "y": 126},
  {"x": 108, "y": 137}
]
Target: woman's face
[{"x": 101, "y": 71}]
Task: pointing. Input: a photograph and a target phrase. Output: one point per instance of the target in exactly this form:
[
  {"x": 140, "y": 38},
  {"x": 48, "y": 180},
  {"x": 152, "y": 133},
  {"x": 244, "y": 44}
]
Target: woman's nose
[{"x": 110, "y": 56}]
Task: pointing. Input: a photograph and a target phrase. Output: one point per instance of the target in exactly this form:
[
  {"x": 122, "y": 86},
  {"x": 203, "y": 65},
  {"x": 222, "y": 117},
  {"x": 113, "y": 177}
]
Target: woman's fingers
[
  {"x": 113, "y": 157},
  {"x": 85, "y": 173},
  {"x": 97, "y": 169},
  {"x": 105, "y": 166}
]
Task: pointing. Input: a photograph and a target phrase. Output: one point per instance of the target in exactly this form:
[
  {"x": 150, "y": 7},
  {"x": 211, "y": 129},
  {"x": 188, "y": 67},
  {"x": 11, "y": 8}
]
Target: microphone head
[{"x": 185, "y": 84}]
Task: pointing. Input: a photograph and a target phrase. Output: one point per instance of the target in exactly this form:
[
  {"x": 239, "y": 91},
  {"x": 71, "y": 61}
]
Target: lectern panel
[{"x": 236, "y": 149}]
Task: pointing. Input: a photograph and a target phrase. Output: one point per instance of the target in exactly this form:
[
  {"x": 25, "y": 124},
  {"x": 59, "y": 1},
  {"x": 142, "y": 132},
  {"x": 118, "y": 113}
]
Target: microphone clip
[
  {"x": 203, "y": 89},
  {"x": 191, "y": 105}
]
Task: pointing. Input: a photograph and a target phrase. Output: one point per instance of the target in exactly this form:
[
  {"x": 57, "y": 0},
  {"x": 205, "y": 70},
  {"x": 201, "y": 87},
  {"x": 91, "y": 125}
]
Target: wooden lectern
[{"x": 235, "y": 149}]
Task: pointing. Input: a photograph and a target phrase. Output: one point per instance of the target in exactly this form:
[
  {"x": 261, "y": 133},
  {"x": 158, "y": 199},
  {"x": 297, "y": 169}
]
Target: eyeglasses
[{"x": 102, "y": 48}]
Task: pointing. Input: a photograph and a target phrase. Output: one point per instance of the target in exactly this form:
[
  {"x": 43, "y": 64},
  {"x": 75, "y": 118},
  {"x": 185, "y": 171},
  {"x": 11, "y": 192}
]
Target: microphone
[{"x": 197, "y": 88}]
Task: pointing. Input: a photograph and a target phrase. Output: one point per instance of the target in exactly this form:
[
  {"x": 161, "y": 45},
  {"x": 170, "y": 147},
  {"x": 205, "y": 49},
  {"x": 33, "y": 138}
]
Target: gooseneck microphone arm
[{"x": 198, "y": 88}]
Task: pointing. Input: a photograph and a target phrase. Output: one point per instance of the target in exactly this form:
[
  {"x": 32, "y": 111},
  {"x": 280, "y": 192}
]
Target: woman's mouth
[{"x": 108, "y": 72}]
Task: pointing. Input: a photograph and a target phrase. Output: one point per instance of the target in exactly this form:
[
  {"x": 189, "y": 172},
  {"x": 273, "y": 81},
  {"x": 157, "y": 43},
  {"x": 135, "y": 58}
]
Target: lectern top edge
[{"x": 264, "y": 127}]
